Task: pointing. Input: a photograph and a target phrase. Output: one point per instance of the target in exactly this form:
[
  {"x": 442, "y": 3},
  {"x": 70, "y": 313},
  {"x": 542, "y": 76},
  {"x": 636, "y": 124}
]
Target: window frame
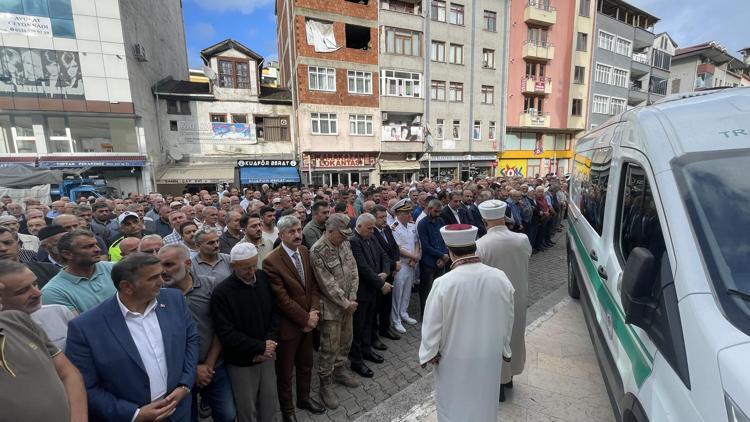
[
  {"x": 608, "y": 73},
  {"x": 489, "y": 17},
  {"x": 579, "y": 103},
  {"x": 476, "y": 132},
  {"x": 355, "y": 75},
  {"x": 232, "y": 115},
  {"x": 611, "y": 40},
  {"x": 488, "y": 53},
  {"x": 456, "y": 89},
  {"x": 402, "y": 37},
  {"x": 329, "y": 118},
  {"x": 223, "y": 118},
  {"x": 625, "y": 79},
  {"x": 492, "y": 130},
  {"x": 435, "y": 7},
  {"x": 623, "y": 101},
  {"x": 401, "y": 83},
  {"x": 582, "y": 37},
  {"x": 594, "y": 104},
  {"x": 440, "y": 129},
  {"x": 318, "y": 74},
  {"x": 624, "y": 41},
  {"x": 437, "y": 86},
  {"x": 459, "y": 11},
  {"x": 437, "y": 47},
  {"x": 235, "y": 76},
  {"x": 488, "y": 91},
  {"x": 452, "y": 56},
  {"x": 582, "y": 79},
  {"x": 456, "y": 134},
  {"x": 366, "y": 120}
]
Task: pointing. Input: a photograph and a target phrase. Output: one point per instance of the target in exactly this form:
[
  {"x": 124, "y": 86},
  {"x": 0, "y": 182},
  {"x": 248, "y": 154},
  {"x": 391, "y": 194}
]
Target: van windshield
[{"x": 716, "y": 191}]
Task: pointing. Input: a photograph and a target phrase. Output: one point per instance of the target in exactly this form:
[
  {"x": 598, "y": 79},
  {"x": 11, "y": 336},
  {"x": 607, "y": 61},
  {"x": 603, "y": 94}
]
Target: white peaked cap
[
  {"x": 458, "y": 235},
  {"x": 493, "y": 209},
  {"x": 243, "y": 251}
]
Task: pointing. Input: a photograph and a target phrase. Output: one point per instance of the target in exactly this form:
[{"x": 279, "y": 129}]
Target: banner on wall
[
  {"x": 401, "y": 132},
  {"x": 11, "y": 23},
  {"x": 31, "y": 72},
  {"x": 216, "y": 133},
  {"x": 512, "y": 168}
]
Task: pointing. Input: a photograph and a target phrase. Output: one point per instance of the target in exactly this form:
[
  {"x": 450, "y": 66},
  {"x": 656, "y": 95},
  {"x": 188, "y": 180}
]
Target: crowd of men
[{"x": 131, "y": 309}]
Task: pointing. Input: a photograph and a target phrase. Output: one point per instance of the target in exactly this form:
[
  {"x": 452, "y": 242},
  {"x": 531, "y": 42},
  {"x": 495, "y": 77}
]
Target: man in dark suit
[
  {"x": 137, "y": 351},
  {"x": 298, "y": 299},
  {"x": 454, "y": 213},
  {"x": 373, "y": 267},
  {"x": 472, "y": 212},
  {"x": 384, "y": 236}
]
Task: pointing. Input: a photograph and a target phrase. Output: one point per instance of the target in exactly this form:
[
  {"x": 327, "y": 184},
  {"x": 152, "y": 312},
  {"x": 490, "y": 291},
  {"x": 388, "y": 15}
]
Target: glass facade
[{"x": 58, "y": 11}]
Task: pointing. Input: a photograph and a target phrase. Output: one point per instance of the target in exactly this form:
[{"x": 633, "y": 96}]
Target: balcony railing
[
  {"x": 536, "y": 85},
  {"x": 539, "y": 12},
  {"x": 641, "y": 58},
  {"x": 533, "y": 118},
  {"x": 540, "y": 50}
]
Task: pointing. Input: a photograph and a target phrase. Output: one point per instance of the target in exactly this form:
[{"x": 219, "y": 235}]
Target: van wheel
[{"x": 573, "y": 290}]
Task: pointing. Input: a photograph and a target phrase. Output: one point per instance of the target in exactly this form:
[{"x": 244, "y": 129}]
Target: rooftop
[{"x": 169, "y": 86}]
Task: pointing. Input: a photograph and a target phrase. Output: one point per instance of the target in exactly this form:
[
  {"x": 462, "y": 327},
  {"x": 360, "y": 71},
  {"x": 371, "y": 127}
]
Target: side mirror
[{"x": 638, "y": 280}]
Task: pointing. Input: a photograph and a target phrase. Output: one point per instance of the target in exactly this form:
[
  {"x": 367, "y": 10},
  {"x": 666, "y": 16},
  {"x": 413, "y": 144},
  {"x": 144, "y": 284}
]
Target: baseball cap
[{"x": 125, "y": 215}]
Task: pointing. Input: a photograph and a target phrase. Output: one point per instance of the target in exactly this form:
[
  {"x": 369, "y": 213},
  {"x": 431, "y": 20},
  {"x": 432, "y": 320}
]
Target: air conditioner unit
[
  {"x": 411, "y": 157},
  {"x": 139, "y": 52},
  {"x": 384, "y": 115}
]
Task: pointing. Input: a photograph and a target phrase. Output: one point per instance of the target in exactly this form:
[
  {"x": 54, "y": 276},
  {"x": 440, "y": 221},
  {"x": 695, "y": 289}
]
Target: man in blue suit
[{"x": 138, "y": 350}]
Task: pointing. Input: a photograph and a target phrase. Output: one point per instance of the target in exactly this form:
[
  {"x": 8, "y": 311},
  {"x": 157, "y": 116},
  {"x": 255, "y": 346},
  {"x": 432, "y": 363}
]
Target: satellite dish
[
  {"x": 175, "y": 155},
  {"x": 210, "y": 73}
]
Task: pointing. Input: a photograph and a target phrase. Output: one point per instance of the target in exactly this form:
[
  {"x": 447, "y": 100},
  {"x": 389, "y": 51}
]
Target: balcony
[
  {"x": 538, "y": 12},
  {"x": 533, "y": 118},
  {"x": 536, "y": 86},
  {"x": 641, "y": 64},
  {"x": 538, "y": 50},
  {"x": 637, "y": 96}
]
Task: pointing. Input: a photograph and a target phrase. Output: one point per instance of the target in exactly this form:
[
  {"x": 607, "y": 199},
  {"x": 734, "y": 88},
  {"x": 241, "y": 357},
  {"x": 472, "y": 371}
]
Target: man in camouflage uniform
[{"x": 336, "y": 272}]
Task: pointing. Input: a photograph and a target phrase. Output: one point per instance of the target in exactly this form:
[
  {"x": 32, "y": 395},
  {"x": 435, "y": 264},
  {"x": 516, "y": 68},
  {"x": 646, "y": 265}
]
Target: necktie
[{"x": 298, "y": 264}]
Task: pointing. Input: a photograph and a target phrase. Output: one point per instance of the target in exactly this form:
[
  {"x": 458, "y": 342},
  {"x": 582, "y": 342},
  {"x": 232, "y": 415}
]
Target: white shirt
[
  {"x": 54, "y": 321},
  {"x": 271, "y": 236},
  {"x": 291, "y": 256},
  {"x": 407, "y": 238},
  {"x": 420, "y": 217},
  {"x": 455, "y": 214},
  {"x": 146, "y": 333}
]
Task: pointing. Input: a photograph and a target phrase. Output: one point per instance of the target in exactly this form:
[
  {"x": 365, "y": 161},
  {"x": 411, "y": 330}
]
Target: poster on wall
[
  {"x": 401, "y": 132},
  {"x": 234, "y": 132},
  {"x": 193, "y": 133},
  {"x": 11, "y": 23},
  {"x": 31, "y": 72}
]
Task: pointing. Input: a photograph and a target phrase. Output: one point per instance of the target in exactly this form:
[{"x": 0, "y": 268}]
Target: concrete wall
[
  {"x": 157, "y": 25},
  {"x": 341, "y": 142}
]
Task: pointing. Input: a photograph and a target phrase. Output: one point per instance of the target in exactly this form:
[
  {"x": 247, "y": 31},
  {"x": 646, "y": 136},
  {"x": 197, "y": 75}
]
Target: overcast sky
[{"x": 252, "y": 22}]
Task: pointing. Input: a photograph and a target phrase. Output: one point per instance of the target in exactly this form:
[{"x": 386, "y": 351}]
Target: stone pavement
[
  {"x": 547, "y": 278},
  {"x": 561, "y": 381}
]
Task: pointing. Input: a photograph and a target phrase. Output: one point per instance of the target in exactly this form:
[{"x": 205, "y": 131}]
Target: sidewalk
[{"x": 561, "y": 381}]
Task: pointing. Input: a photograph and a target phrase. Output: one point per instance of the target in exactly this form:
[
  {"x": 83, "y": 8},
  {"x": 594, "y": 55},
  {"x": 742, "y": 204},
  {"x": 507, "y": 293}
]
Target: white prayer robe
[
  {"x": 510, "y": 252},
  {"x": 468, "y": 320}
]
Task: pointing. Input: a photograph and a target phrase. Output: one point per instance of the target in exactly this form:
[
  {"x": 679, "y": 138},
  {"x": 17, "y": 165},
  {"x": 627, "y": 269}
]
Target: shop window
[
  {"x": 23, "y": 135},
  {"x": 173, "y": 125},
  {"x": 58, "y": 135},
  {"x": 103, "y": 134},
  {"x": 357, "y": 37}
]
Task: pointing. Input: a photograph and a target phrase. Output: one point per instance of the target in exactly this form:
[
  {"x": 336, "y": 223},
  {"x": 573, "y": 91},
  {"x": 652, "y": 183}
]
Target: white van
[{"x": 659, "y": 254}]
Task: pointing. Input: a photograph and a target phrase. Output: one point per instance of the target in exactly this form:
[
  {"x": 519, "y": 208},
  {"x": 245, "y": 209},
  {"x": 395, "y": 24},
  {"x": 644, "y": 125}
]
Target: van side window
[
  {"x": 638, "y": 220},
  {"x": 589, "y": 190}
]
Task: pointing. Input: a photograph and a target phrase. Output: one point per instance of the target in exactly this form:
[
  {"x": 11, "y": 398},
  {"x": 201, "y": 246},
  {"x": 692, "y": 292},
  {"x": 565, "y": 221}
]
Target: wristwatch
[{"x": 184, "y": 387}]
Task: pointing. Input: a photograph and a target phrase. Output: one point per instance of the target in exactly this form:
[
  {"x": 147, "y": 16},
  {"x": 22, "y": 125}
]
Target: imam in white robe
[
  {"x": 468, "y": 319},
  {"x": 510, "y": 252}
]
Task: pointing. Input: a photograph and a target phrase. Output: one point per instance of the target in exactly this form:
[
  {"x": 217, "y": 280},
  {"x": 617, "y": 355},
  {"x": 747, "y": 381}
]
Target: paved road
[{"x": 547, "y": 273}]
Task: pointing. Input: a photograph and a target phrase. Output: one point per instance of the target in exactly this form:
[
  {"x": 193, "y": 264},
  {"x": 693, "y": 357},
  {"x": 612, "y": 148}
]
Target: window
[
  {"x": 399, "y": 6},
  {"x": 579, "y": 75},
  {"x": 456, "y": 55},
  {"x": 440, "y": 129},
  {"x": 400, "y": 84},
  {"x": 272, "y": 129},
  {"x": 488, "y": 94},
  {"x": 638, "y": 220},
  {"x": 457, "y": 14},
  {"x": 623, "y": 46},
  {"x": 438, "y": 10},
  {"x": 577, "y": 107},
  {"x": 234, "y": 74},
  {"x": 658, "y": 85},
  {"x": 172, "y": 107},
  {"x": 360, "y": 124},
  {"x": 537, "y": 36},
  {"x": 601, "y": 104},
  {"x": 533, "y": 105},
  {"x": 662, "y": 60},
  {"x": 476, "y": 134},
  {"x": 488, "y": 58},
  {"x": 606, "y": 41},
  {"x": 324, "y": 123},
  {"x": 438, "y": 51},
  {"x": 357, "y": 37},
  {"x": 583, "y": 8},
  {"x": 582, "y": 41},
  {"x": 561, "y": 142},
  {"x": 58, "y": 11},
  {"x": 603, "y": 73},
  {"x": 456, "y": 130},
  {"x": 616, "y": 105},
  {"x": 589, "y": 189},
  {"x": 456, "y": 93},
  {"x": 218, "y": 118},
  {"x": 173, "y": 125},
  {"x": 490, "y": 21},
  {"x": 321, "y": 78},
  {"x": 403, "y": 41},
  {"x": 491, "y": 128},
  {"x": 360, "y": 82},
  {"x": 620, "y": 77},
  {"x": 534, "y": 69},
  {"x": 437, "y": 90},
  {"x": 239, "y": 118}
]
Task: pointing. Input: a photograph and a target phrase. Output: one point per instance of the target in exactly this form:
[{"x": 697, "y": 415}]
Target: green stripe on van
[{"x": 640, "y": 358}]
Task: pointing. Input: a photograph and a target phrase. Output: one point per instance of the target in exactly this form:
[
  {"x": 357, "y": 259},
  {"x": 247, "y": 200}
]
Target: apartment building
[
  {"x": 549, "y": 58},
  {"x": 328, "y": 55},
  {"x": 631, "y": 64},
  {"x": 75, "y": 91},
  {"x": 229, "y": 129},
  {"x": 707, "y": 65}
]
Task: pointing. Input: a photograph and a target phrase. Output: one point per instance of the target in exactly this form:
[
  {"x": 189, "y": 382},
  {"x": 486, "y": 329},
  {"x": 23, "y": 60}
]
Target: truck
[{"x": 21, "y": 181}]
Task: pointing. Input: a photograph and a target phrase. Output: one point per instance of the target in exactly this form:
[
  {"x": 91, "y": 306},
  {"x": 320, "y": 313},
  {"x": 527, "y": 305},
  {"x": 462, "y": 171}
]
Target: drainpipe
[
  {"x": 427, "y": 87},
  {"x": 504, "y": 84}
]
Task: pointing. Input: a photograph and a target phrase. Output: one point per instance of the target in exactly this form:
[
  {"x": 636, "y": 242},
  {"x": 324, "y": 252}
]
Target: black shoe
[
  {"x": 502, "y": 393},
  {"x": 373, "y": 357},
  {"x": 390, "y": 334},
  {"x": 289, "y": 417},
  {"x": 509, "y": 385},
  {"x": 362, "y": 370},
  {"x": 311, "y": 405},
  {"x": 378, "y": 345}
]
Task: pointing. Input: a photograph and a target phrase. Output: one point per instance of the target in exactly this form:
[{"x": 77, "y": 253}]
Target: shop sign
[
  {"x": 539, "y": 86},
  {"x": 92, "y": 163},
  {"x": 11, "y": 23},
  {"x": 266, "y": 163},
  {"x": 339, "y": 160},
  {"x": 512, "y": 168}
]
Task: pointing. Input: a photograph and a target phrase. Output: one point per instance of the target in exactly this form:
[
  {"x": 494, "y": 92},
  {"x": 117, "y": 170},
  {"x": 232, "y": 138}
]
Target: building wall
[
  {"x": 583, "y": 24},
  {"x": 684, "y": 71},
  {"x": 158, "y": 26}
]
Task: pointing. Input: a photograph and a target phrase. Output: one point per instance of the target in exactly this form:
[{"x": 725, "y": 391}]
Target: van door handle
[
  {"x": 593, "y": 256},
  {"x": 602, "y": 272}
]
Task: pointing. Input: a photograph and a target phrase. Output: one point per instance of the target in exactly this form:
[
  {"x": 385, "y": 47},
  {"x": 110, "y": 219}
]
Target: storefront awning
[
  {"x": 250, "y": 175},
  {"x": 392, "y": 165},
  {"x": 198, "y": 174}
]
